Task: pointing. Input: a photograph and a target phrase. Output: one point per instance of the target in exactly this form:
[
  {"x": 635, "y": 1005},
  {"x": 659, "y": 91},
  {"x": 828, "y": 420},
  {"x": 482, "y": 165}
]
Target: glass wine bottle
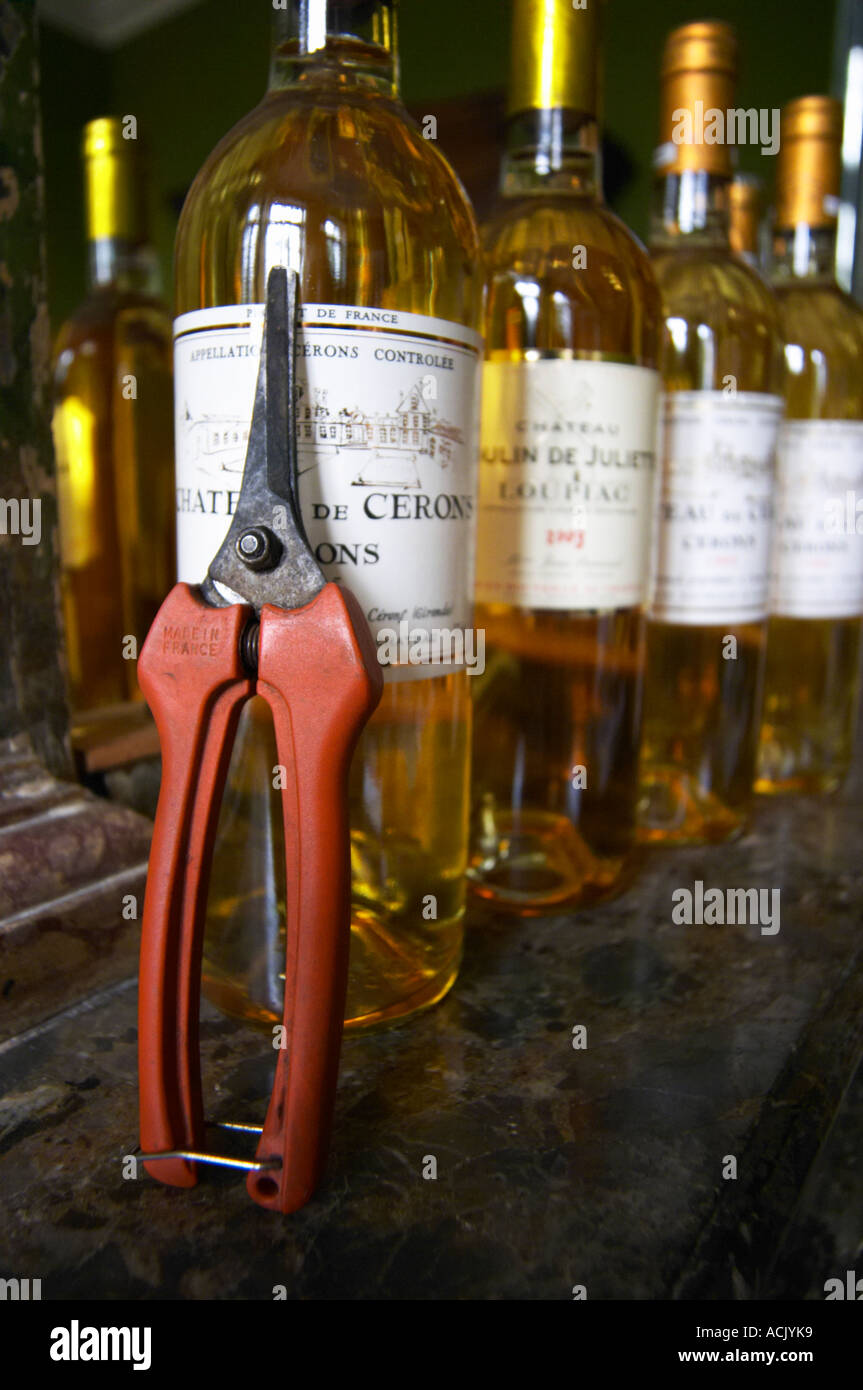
[
  {"x": 707, "y": 618},
  {"x": 566, "y": 472},
  {"x": 816, "y": 604},
  {"x": 331, "y": 177},
  {"x": 112, "y": 425}
]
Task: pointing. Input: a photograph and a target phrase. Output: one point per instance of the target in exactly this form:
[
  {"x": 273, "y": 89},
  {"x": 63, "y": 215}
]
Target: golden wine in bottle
[
  {"x": 566, "y": 473},
  {"x": 720, "y": 363},
  {"x": 816, "y": 602},
  {"x": 330, "y": 177},
  {"x": 113, "y": 427}
]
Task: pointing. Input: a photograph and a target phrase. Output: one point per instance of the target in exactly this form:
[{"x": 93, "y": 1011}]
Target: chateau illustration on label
[{"x": 385, "y": 447}]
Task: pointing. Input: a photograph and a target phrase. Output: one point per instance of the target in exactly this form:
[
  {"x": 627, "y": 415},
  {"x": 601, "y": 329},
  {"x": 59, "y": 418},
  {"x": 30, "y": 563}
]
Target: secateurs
[{"x": 264, "y": 621}]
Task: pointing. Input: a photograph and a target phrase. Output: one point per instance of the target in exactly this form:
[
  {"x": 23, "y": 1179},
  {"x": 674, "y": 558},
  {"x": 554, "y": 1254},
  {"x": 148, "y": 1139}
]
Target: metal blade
[{"x": 265, "y": 556}]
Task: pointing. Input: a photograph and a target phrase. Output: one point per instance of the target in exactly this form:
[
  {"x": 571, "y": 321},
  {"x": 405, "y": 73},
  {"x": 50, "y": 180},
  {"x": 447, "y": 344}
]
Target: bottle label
[
  {"x": 387, "y": 416},
  {"x": 567, "y": 464},
  {"x": 817, "y": 566},
  {"x": 711, "y": 544}
]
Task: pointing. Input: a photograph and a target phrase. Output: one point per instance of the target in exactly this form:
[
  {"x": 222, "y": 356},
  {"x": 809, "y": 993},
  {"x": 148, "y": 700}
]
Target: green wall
[
  {"x": 190, "y": 79},
  {"x": 786, "y": 51},
  {"x": 75, "y": 88}
]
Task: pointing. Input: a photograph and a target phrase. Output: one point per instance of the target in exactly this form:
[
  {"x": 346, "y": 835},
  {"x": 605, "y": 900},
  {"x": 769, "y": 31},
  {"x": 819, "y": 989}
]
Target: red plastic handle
[
  {"x": 191, "y": 674},
  {"x": 319, "y": 672}
]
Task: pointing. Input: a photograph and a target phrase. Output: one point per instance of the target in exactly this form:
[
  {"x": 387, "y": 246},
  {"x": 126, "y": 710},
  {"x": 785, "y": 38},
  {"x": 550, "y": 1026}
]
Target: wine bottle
[
  {"x": 816, "y": 602},
  {"x": 330, "y": 177},
  {"x": 720, "y": 364},
  {"x": 566, "y": 471},
  {"x": 113, "y": 427}
]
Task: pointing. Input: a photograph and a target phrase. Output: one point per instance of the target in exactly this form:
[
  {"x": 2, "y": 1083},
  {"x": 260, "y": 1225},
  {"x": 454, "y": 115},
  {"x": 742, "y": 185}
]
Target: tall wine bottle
[
  {"x": 816, "y": 603},
  {"x": 330, "y": 176},
  {"x": 112, "y": 427},
  {"x": 707, "y": 619},
  {"x": 566, "y": 472}
]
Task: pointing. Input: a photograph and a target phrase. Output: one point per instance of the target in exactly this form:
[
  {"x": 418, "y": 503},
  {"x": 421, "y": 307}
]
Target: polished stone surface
[
  {"x": 556, "y": 1166},
  {"x": 72, "y": 874}
]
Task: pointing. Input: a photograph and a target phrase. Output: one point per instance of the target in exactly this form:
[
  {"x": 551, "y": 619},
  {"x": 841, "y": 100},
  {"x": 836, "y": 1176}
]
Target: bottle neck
[
  {"x": 804, "y": 253},
  {"x": 115, "y": 190},
  {"x": 552, "y": 151},
  {"x": 117, "y": 264},
  {"x": 691, "y": 208},
  {"x": 336, "y": 43}
]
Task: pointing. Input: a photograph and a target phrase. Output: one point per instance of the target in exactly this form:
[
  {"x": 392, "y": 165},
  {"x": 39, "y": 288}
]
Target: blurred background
[{"x": 189, "y": 69}]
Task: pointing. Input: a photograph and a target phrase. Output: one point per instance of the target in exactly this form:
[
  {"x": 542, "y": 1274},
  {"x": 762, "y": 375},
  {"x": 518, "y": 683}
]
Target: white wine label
[
  {"x": 711, "y": 551},
  {"x": 566, "y": 474},
  {"x": 387, "y": 416},
  {"x": 817, "y": 565}
]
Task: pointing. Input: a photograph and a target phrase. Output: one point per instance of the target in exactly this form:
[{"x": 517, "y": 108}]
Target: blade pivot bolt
[{"x": 259, "y": 548}]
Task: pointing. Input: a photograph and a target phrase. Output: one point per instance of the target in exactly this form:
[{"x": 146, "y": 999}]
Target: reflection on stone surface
[{"x": 556, "y": 1165}]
